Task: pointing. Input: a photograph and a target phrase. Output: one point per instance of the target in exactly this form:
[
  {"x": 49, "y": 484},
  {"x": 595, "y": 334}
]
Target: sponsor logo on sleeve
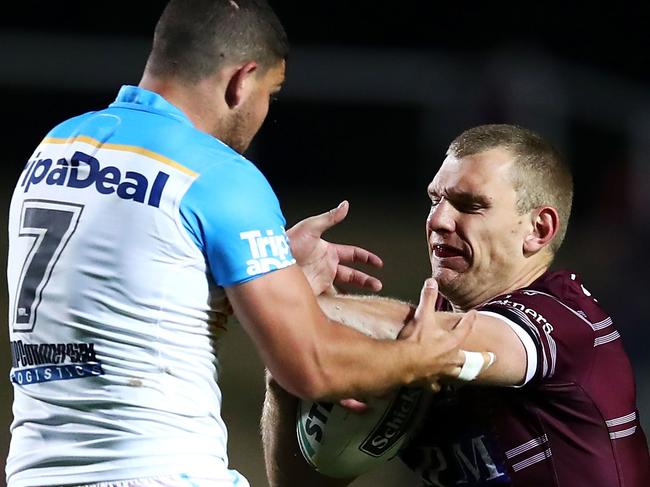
[
  {"x": 268, "y": 251},
  {"x": 529, "y": 312}
]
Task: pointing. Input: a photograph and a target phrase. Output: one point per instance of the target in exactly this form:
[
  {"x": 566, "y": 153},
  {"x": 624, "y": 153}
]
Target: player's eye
[{"x": 469, "y": 207}]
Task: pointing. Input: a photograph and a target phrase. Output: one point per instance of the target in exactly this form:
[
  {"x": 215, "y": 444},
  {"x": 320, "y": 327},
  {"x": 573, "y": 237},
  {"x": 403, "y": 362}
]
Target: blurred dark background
[{"x": 375, "y": 91}]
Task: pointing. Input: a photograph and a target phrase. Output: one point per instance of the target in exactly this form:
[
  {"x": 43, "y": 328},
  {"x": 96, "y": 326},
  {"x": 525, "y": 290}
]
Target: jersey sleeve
[
  {"x": 558, "y": 341},
  {"x": 525, "y": 339},
  {"x": 235, "y": 219}
]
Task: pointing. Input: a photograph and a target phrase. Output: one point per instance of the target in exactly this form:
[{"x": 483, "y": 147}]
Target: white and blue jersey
[{"x": 125, "y": 226}]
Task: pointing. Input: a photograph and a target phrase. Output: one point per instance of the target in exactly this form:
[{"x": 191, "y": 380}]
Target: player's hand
[
  {"x": 358, "y": 406},
  {"x": 354, "y": 405},
  {"x": 325, "y": 263},
  {"x": 443, "y": 346}
]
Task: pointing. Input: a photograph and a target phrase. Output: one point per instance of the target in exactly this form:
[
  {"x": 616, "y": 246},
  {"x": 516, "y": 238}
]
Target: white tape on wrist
[{"x": 473, "y": 365}]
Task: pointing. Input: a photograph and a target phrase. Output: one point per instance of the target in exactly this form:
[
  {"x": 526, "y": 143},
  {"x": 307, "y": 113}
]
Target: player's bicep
[
  {"x": 280, "y": 313},
  {"x": 516, "y": 358}
]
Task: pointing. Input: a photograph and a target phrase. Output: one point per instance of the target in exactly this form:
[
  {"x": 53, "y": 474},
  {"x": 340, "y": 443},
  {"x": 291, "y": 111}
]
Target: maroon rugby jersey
[{"x": 574, "y": 423}]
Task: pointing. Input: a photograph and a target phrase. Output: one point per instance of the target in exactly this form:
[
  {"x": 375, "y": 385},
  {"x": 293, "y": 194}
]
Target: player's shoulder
[
  {"x": 564, "y": 289},
  {"x": 70, "y": 127},
  {"x": 553, "y": 288},
  {"x": 229, "y": 191},
  {"x": 224, "y": 176},
  {"x": 556, "y": 292},
  {"x": 564, "y": 285},
  {"x": 215, "y": 164}
]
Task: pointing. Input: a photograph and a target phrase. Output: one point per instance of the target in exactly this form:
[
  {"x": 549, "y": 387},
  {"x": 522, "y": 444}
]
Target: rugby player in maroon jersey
[{"x": 558, "y": 407}]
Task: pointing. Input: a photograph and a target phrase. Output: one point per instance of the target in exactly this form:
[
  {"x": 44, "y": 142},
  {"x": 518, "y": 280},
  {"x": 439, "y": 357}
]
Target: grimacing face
[
  {"x": 248, "y": 119},
  {"x": 475, "y": 235}
]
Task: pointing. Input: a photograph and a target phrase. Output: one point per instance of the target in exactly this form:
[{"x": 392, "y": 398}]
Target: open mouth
[{"x": 443, "y": 251}]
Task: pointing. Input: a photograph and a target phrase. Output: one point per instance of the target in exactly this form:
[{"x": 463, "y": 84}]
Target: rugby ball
[{"x": 340, "y": 443}]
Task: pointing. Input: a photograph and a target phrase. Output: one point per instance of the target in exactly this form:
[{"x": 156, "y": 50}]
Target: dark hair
[
  {"x": 195, "y": 37},
  {"x": 540, "y": 174}
]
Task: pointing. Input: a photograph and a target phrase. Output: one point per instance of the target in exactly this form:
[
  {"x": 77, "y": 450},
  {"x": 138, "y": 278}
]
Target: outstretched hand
[
  {"x": 325, "y": 263},
  {"x": 443, "y": 345}
]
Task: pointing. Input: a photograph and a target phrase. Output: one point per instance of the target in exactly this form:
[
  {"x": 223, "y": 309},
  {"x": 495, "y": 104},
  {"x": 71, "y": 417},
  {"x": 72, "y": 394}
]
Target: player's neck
[
  {"x": 195, "y": 101},
  {"x": 520, "y": 280}
]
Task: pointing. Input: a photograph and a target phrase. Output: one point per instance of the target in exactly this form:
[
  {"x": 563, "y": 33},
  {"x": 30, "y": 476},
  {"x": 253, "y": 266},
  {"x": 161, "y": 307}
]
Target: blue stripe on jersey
[{"x": 230, "y": 210}]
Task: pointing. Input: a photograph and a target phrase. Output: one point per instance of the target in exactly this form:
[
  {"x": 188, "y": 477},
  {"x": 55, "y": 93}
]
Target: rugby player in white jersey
[{"x": 134, "y": 229}]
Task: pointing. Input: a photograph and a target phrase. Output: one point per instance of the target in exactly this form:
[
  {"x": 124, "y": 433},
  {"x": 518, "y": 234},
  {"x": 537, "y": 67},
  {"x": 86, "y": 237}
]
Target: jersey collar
[{"x": 138, "y": 98}]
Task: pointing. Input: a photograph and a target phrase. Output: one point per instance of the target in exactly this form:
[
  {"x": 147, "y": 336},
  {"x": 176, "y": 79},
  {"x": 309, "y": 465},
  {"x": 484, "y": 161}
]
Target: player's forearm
[
  {"x": 377, "y": 317},
  {"x": 382, "y": 318},
  {"x": 357, "y": 367},
  {"x": 314, "y": 358},
  {"x": 353, "y": 365},
  {"x": 331, "y": 361}
]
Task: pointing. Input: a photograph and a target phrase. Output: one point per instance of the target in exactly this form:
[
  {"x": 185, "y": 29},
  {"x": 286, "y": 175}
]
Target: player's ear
[
  {"x": 545, "y": 223},
  {"x": 240, "y": 83}
]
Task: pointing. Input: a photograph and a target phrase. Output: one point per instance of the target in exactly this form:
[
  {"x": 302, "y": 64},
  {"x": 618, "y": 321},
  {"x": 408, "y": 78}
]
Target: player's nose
[{"x": 441, "y": 218}]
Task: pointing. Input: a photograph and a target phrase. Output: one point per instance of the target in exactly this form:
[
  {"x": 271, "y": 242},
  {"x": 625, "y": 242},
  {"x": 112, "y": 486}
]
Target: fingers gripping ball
[{"x": 343, "y": 444}]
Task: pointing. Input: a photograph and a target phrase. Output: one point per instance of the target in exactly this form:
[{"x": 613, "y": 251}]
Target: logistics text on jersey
[{"x": 85, "y": 171}]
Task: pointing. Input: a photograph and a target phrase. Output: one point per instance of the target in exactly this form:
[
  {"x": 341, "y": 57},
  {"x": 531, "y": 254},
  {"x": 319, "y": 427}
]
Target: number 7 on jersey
[{"x": 49, "y": 225}]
